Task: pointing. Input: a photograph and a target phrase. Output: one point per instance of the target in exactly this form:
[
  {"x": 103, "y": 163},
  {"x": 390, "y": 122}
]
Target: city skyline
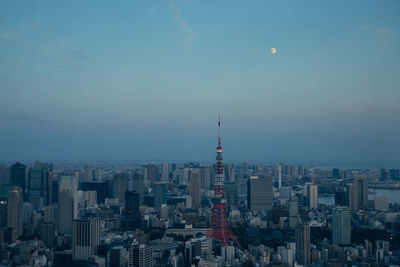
[{"x": 145, "y": 81}]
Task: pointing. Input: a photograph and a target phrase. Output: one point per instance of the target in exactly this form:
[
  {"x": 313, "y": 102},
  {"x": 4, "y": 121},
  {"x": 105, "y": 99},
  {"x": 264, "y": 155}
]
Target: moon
[{"x": 273, "y": 50}]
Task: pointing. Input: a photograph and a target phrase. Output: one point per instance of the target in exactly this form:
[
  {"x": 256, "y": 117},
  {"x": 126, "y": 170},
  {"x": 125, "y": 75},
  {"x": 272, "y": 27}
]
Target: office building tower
[
  {"x": 87, "y": 173},
  {"x": 205, "y": 177},
  {"x": 164, "y": 172},
  {"x": 259, "y": 193},
  {"x": 101, "y": 189},
  {"x": 132, "y": 211},
  {"x": 65, "y": 212},
  {"x": 230, "y": 173},
  {"x": 39, "y": 186},
  {"x": 160, "y": 194},
  {"x": 384, "y": 174},
  {"x": 27, "y": 213},
  {"x": 120, "y": 186},
  {"x": 341, "y": 228},
  {"x": 140, "y": 256},
  {"x": 336, "y": 173},
  {"x": 153, "y": 174},
  {"x": 195, "y": 188},
  {"x": 50, "y": 213},
  {"x": 381, "y": 203},
  {"x": 138, "y": 185},
  {"x": 352, "y": 197},
  {"x": 18, "y": 176},
  {"x": 69, "y": 182},
  {"x": 85, "y": 238},
  {"x": 15, "y": 209},
  {"x": 361, "y": 182},
  {"x": 302, "y": 244},
  {"x": 279, "y": 176},
  {"x": 47, "y": 233},
  {"x": 89, "y": 199},
  {"x": 4, "y": 174},
  {"x": 394, "y": 174},
  {"x": 312, "y": 196},
  {"x": 293, "y": 212},
  {"x": 3, "y": 215},
  {"x": 230, "y": 194},
  {"x": 341, "y": 198},
  {"x": 117, "y": 257}
]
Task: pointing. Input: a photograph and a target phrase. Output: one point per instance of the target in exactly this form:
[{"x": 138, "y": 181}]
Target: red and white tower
[{"x": 220, "y": 229}]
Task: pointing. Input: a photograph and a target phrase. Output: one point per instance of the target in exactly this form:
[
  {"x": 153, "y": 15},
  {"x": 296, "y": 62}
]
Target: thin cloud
[
  {"x": 191, "y": 36},
  {"x": 8, "y": 37}
]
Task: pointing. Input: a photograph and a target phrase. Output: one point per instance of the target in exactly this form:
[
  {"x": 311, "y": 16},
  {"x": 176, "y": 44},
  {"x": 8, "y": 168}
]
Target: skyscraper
[
  {"x": 39, "y": 186},
  {"x": 341, "y": 228},
  {"x": 303, "y": 244},
  {"x": 165, "y": 172},
  {"x": 47, "y": 233},
  {"x": 293, "y": 212},
  {"x": 195, "y": 188},
  {"x": 85, "y": 238},
  {"x": 312, "y": 196},
  {"x": 65, "y": 212},
  {"x": 352, "y": 196},
  {"x": 132, "y": 212},
  {"x": 15, "y": 209},
  {"x": 138, "y": 185},
  {"x": 140, "y": 256},
  {"x": 18, "y": 176},
  {"x": 160, "y": 194},
  {"x": 120, "y": 186},
  {"x": 361, "y": 182},
  {"x": 153, "y": 174},
  {"x": 259, "y": 193},
  {"x": 69, "y": 182}
]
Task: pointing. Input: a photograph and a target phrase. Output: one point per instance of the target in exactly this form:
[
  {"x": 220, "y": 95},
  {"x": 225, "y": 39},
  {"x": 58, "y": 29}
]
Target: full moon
[{"x": 273, "y": 50}]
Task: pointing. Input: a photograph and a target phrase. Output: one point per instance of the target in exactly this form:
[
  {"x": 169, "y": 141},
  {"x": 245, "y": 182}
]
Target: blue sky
[{"x": 146, "y": 79}]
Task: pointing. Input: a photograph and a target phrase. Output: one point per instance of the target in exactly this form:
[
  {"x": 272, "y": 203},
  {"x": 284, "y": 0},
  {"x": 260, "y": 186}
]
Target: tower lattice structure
[{"x": 220, "y": 229}]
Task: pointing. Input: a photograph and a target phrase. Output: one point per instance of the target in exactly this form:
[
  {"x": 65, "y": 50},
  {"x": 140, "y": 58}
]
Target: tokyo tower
[{"x": 220, "y": 229}]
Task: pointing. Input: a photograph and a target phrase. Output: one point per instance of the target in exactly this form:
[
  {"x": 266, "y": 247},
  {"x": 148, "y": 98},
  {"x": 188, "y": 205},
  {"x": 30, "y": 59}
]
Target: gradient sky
[{"x": 132, "y": 80}]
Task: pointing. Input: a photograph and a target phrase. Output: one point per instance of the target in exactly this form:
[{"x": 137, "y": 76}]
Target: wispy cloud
[
  {"x": 190, "y": 35},
  {"x": 8, "y": 36},
  {"x": 17, "y": 33},
  {"x": 384, "y": 35}
]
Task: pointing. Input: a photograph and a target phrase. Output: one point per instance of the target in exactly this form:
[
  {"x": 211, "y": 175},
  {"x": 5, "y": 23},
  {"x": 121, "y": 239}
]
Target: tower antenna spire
[{"x": 219, "y": 129}]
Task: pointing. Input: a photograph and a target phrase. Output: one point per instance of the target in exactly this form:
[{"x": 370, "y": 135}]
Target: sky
[{"x": 145, "y": 80}]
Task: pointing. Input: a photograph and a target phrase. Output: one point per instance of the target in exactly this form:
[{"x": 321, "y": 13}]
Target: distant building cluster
[{"x": 160, "y": 214}]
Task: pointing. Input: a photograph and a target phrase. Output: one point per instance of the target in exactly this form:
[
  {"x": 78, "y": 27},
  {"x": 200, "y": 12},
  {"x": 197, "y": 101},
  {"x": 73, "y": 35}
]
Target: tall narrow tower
[{"x": 220, "y": 229}]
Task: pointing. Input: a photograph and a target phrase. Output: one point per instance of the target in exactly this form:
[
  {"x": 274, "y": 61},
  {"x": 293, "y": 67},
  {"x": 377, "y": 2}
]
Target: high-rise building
[
  {"x": 195, "y": 188},
  {"x": 117, "y": 257},
  {"x": 18, "y": 176},
  {"x": 15, "y": 209},
  {"x": 336, "y": 173},
  {"x": 165, "y": 172},
  {"x": 47, "y": 233},
  {"x": 160, "y": 194},
  {"x": 100, "y": 187},
  {"x": 132, "y": 211},
  {"x": 140, "y": 256},
  {"x": 230, "y": 174},
  {"x": 341, "y": 228},
  {"x": 341, "y": 198},
  {"x": 120, "y": 186},
  {"x": 153, "y": 174},
  {"x": 394, "y": 174},
  {"x": 352, "y": 197},
  {"x": 65, "y": 212},
  {"x": 279, "y": 176},
  {"x": 230, "y": 194},
  {"x": 361, "y": 182},
  {"x": 303, "y": 244},
  {"x": 312, "y": 196},
  {"x": 69, "y": 182},
  {"x": 87, "y": 173},
  {"x": 384, "y": 174},
  {"x": 138, "y": 185},
  {"x": 259, "y": 193},
  {"x": 39, "y": 186},
  {"x": 205, "y": 177},
  {"x": 85, "y": 238},
  {"x": 293, "y": 212}
]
